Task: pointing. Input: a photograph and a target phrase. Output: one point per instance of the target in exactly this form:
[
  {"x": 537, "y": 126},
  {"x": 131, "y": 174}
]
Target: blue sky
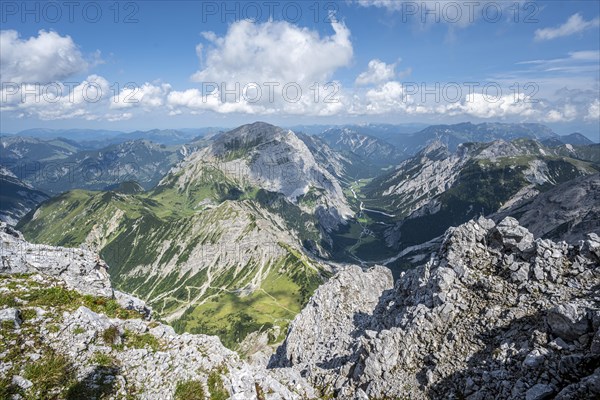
[{"x": 376, "y": 52}]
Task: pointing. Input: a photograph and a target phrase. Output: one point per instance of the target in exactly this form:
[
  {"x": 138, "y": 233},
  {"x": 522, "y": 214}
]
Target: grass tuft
[{"x": 189, "y": 390}]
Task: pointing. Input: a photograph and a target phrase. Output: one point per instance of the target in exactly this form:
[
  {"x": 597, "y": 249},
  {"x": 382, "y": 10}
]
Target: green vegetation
[
  {"x": 103, "y": 360},
  {"x": 189, "y": 390},
  {"x": 67, "y": 299},
  {"x": 141, "y": 341},
  {"x": 97, "y": 385},
  {"x": 239, "y": 148},
  {"x": 51, "y": 372},
  {"x": 110, "y": 335},
  {"x": 7, "y": 389},
  {"x": 216, "y": 388},
  {"x": 283, "y": 293},
  {"x": 170, "y": 224},
  {"x": 7, "y": 300}
]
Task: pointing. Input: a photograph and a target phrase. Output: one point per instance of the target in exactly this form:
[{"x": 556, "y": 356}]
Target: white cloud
[
  {"x": 44, "y": 58},
  {"x": 564, "y": 114},
  {"x": 377, "y": 72},
  {"x": 593, "y": 112},
  {"x": 458, "y": 14},
  {"x": 385, "y": 98},
  {"x": 148, "y": 96},
  {"x": 480, "y": 106},
  {"x": 194, "y": 100},
  {"x": 118, "y": 117},
  {"x": 575, "y": 24},
  {"x": 574, "y": 57},
  {"x": 391, "y": 5},
  {"x": 60, "y": 101},
  {"x": 275, "y": 51},
  {"x": 272, "y": 52}
]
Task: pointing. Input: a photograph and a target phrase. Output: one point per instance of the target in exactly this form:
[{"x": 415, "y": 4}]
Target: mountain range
[{"x": 287, "y": 245}]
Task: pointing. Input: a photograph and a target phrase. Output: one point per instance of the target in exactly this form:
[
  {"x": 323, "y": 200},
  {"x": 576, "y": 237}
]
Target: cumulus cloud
[
  {"x": 43, "y": 58},
  {"x": 575, "y": 24},
  {"x": 195, "y": 100},
  {"x": 59, "y": 100},
  {"x": 274, "y": 52},
  {"x": 377, "y": 72},
  {"x": 564, "y": 114},
  {"x": 481, "y": 106},
  {"x": 593, "y": 111},
  {"x": 385, "y": 98},
  {"x": 147, "y": 95}
]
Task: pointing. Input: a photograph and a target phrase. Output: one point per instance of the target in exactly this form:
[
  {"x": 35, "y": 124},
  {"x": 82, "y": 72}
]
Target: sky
[{"x": 152, "y": 64}]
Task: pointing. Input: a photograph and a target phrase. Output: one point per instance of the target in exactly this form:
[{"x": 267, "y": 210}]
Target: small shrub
[
  {"x": 7, "y": 325},
  {"x": 7, "y": 389},
  {"x": 189, "y": 390},
  {"x": 260, "y": 393},
  {"x": 8, "y": 300},
  {"x": 28, "y": 314},
  {"x": 110, "y": 307},
  {"x": 110, "y": 335},
  {"x": 54, "y": 296}
]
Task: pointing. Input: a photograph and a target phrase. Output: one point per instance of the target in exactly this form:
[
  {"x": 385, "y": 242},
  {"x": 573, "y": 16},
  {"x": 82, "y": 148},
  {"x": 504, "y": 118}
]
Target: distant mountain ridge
[
  {"x": 439, "y": 188},
  {"x": 370, "y": 148},
  {"x": 97, "y": 138},
  {"x": 16, "y": 197}
]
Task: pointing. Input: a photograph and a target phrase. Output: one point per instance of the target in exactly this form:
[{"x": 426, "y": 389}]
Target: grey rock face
[
  {"x": 539, "y": 392},
  {"x": 568, "y": 321},
  {"x": 10, "y": 316},
  {"x": 493, "y": 314},
  {"x": 178, "y": 358},
  {"x": 80, "y": 269},
  {"x": 132, "y": 303},
  {"x": 121, "y": 358},
  {"x": 568, "y": 211},
  {"x": 324, "y": 334}
]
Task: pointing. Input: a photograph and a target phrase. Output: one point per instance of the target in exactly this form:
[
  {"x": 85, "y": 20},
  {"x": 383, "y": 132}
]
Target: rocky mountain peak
[
  {"x": 247, "y": 137},
  {"x": 273, "y": 159}
]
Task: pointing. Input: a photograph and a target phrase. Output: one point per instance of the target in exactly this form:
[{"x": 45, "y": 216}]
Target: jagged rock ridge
[{"x": 494, "y": 314}]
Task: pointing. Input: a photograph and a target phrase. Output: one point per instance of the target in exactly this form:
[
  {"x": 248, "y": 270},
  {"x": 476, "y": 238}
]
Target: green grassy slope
[{"x": 196, "y": 253}]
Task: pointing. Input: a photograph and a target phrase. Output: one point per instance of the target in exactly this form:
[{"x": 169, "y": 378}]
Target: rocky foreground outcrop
[
  {"x": 65, "y": 334},
  {"x": 494, "y": 314},
  {"x": 79, "y": 269}
]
